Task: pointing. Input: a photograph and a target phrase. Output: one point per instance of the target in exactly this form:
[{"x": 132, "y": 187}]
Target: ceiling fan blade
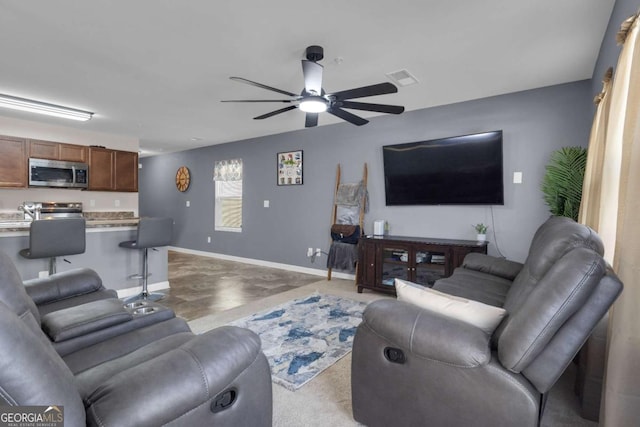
[
  {"x": 260, "y": 85},
  {"x": 273, "y": 113},
  {"x": 311, "y": 120},
  {"x": 312, "y": 72},
  {"x": 258, "y": 100},
  {"x": 345, "y": 115},
  {"x": 361, "y": 92},
  {"x": 365, "y": 106}
]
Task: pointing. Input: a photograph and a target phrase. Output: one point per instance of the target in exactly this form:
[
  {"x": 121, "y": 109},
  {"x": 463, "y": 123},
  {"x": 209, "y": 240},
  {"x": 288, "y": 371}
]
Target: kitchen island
[{"x": 105, "y": 231}]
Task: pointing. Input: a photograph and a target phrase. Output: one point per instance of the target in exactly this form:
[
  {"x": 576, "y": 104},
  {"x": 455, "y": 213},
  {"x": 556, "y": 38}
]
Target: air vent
[{"x": 402, "y": 77}]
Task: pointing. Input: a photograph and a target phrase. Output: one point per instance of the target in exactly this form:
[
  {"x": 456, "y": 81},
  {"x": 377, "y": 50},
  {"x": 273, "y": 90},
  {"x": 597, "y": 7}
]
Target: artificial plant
[
  {"x": 480, "y": 228},
  {"x": 562, "y": 183}
]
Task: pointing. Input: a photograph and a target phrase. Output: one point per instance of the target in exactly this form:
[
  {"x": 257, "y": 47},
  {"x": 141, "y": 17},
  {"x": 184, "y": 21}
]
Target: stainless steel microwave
[{"x": 56, "y": 173}]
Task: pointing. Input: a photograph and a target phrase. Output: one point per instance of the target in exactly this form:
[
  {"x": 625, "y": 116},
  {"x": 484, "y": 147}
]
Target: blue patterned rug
[{"x": 303, "y": 337}]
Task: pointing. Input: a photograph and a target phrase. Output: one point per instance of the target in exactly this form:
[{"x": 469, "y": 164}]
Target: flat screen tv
[{"x": 460, "y": 170}]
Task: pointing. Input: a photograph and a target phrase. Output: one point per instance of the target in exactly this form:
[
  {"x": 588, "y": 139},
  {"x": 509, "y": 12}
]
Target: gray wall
[{"x": 535, "y": 123}]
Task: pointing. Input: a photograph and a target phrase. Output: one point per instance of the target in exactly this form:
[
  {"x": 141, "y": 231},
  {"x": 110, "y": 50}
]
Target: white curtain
[
  {"x": 228, "y": 170},
  {"x": 615, "y": 217},
  {"x": 591, "y": 189}
]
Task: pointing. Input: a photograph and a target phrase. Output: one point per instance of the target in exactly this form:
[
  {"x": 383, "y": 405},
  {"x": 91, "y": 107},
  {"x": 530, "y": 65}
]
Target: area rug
[{"x": 303, "y": 337}]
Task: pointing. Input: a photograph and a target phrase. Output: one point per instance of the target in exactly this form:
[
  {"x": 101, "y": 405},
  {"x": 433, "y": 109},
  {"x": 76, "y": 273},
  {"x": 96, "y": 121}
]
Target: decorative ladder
[{"x": 334, "y": 210}]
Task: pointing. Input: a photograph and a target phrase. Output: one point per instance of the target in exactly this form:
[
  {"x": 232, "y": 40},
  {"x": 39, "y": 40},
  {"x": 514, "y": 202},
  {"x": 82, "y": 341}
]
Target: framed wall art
[{"x": 290, "y": 168}]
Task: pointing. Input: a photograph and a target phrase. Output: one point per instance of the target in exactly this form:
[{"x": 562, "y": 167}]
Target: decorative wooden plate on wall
[{"x": 183, "y": 178}]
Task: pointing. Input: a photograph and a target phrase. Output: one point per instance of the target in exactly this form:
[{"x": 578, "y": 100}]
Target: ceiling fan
[{"x": 313, "y": 99}]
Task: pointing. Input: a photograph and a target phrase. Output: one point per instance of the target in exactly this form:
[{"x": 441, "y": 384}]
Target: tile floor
[{"x": 202, "y": 285}]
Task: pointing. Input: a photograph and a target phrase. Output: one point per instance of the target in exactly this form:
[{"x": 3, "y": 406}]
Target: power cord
[
  {"x": 493, "y": 228},
  {"x": 315, "y": 254}
]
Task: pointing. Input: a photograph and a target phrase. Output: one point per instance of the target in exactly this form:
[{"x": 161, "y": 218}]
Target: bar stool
[
  {"x": 50, "y": 238},
  {"x": 152, "y": 233}
]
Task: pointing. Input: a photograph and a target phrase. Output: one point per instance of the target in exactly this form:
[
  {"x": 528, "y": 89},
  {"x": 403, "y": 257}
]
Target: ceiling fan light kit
[
  {"x": 313, "y": 104},
  {"x": 313, "y": 99},
  {"x": 31, "y": 106}
]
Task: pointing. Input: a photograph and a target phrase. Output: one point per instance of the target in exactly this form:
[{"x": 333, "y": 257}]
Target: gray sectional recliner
[
  {"x": 448, "y": 373},
  {"x": 140, "y": 374},
  {"x": 67, "y": 289}
]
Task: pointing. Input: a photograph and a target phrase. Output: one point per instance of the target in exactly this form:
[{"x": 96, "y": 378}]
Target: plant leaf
[{"x": 562, "y": 183}]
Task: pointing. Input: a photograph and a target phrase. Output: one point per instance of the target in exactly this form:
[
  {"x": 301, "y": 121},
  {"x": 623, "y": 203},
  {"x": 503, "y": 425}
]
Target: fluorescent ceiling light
[
  {"x": 22, "y": 104},
  {"x": 313, "y": 104}
]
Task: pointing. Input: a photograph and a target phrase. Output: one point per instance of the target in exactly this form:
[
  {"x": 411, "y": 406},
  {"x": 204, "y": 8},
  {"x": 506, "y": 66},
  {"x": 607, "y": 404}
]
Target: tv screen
[{"x": 460, "y": 170}]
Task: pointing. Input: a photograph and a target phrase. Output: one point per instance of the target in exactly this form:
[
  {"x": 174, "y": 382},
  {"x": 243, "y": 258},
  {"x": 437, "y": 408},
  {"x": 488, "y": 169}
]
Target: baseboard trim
[
  {"x": 152, "y": 287},
  {"x": 263, "y": 263}
]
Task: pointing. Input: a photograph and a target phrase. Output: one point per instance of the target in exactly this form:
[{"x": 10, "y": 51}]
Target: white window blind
[{"x": 228, "y": 199}]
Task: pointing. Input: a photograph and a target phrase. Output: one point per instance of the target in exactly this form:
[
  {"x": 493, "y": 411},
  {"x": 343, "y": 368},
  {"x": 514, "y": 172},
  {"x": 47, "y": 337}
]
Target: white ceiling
[{"x": 157, "y": 69}]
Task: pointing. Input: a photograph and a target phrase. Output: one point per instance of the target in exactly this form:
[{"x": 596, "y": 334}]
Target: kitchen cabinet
[
  {"x": 74, "y": 153},
  {"x": 58, "y": 151},
  {"x": 421, "y": 260},
  {"x": 113, "y": 170},
  {"x": 126, "y": 171},
  {"x": 101, "y": 169},
  {"x": 13, "y": 162}
]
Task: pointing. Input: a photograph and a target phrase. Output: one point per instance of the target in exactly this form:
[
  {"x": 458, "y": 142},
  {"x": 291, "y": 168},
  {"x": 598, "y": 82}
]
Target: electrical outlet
[
  {"x": 117, "y": 203},
  {"x": 187, "y": 203},
  {"x": 310, "y": 252},
  {"x": 208, "y": 239},
  {"x": 318, "y": 252}
]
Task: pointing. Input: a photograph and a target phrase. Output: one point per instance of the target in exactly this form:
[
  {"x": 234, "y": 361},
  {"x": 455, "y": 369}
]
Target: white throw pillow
[{"x": 484, "y": 316}]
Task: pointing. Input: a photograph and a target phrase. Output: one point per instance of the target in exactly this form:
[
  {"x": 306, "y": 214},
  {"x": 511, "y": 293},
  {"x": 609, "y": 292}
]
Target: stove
[{"x": 51, "y": 210}]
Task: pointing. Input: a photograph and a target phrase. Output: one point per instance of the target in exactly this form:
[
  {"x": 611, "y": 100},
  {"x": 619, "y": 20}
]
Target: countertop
[{"x": 8, "y": 224}]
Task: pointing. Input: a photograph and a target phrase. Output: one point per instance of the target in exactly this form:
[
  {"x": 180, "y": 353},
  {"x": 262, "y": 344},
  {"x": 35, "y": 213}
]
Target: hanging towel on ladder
[
  {"x": 352, "y": 195},
  {"x": 342, "y": 256},
  {"x": 350, "y": 199}
]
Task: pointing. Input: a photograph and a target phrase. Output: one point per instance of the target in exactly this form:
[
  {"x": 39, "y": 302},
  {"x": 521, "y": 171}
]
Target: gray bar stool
[
  {"x": 152, "y": 233},
  {"x": 50, "y": 238}
]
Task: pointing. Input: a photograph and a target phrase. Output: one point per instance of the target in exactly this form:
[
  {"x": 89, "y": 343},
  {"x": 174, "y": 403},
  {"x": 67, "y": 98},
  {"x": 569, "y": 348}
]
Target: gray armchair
[
  {"x": 219, "y": 378},
  {"x": 107, "y": 373},
  {"x": 413, "y": 367}
]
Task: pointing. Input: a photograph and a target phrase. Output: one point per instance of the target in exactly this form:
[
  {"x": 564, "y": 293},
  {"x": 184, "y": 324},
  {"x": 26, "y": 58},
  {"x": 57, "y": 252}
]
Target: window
[{"x": 228, "y": 201}]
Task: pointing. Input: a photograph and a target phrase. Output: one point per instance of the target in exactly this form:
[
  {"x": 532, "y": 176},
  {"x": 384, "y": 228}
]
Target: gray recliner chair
[
  {"x": 218, "y": 378},
  {"x": 67, "y": 289},
  {"x": 412, "y": 366},
  {"x": 76, "y": 312},
  {"x": 160, "y": 374}
]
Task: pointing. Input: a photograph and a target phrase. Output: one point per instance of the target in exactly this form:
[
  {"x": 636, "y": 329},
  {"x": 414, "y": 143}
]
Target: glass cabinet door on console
[
  {"x": 422, "y": 265},
  {"x": 395, "y": 264},
  {"x": 430, "y": 265},
  {"x": 382, "y": 259}
]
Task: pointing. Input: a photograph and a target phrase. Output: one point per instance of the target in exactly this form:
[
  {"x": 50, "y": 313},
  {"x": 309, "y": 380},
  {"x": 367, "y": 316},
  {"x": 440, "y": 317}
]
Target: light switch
[
  {"x": 188, "y": 203},
  {"x": 266, "y": 203},
  {"x": 517, "y": 177}
]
